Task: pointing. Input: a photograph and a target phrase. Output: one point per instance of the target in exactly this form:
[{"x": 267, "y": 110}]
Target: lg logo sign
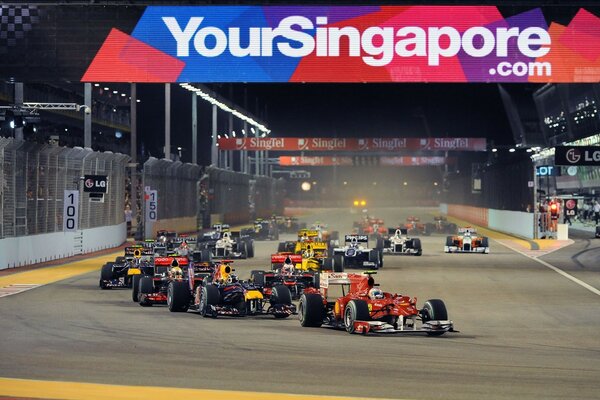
[
  {"x": 95, "y": 183},
  {"x": 580, "y": 155},
  {"x": 573, "y": 156}
]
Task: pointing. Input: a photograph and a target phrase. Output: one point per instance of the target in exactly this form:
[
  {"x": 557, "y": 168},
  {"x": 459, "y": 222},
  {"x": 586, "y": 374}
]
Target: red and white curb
[{"x": 17, "y": 288}]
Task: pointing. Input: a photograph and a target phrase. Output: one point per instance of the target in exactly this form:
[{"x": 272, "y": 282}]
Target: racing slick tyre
[
  {"x": 135, "y": 288},
  {"x": 281, "y": 247},
  {"x": 416, "y": 244},
  {"x": 146, "y": 287},
  {"x": 178, "y": 296},
  {"x": 380, "y": 243},
  {"x": 452, "y": 228},
  {"x": 243, "y": 249},
  {"x": 310, "y": 310},
  {"x": 203, "y": 255},
  {"x": 106, "y": 274},
  {"x": 210, "y": 297},
  {"x": 316, "y": 280},
  {"x": 374, "y": 258},
  {"x": 327, "y": 264},
  {"x": 356, "y": 310},
  {"x": 449, "y": 241},
  {"x": 380, "y": 258},
  {"x": 429, "y": 229},
  {"x": 434, "y": 310},
  {"x": 250, "y": 248},
  {"x": 258, "y": 277},
  {"x": 338, "y": 263},
  {"x": 485, "y": 242},
  {"x": 281, "y": 295}
]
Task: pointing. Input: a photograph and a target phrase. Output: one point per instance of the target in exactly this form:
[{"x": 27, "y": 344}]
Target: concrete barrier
[
  {"x": 26, "y": 250},
  {"x": 512, "y": 222}
]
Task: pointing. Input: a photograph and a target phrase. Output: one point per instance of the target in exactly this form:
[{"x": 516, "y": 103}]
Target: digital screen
[{"x": 296, "y": 44}]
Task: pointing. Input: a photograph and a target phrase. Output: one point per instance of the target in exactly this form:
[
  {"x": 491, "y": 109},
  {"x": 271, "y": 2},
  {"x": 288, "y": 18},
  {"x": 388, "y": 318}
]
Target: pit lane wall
[
  {"x": 512, "y": 222},
  {"x": 26, "y": 250}
]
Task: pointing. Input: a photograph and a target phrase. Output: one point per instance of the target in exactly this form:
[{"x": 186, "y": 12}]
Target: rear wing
[
  {"x": 467, "y": 230},
  {"x": 220, "y": 227},
  {"x": 333, "y": 278},
  {"x": 168, "y": 261},
  {"x": 392, "y": 231},
  {"x": 280, "y": 258},
  {"x": 136, "y": 251},
  {"x": 308, "y": 233},
  {"x": 356, "y": 238},
  {"x": 188, "y": 240}
]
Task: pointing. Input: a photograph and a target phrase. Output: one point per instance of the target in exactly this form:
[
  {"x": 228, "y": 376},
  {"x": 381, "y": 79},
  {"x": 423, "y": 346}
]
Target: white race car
[
  {"x": 398, "y": 243},
  {"x": 467, "y": 241},
  {"x": 356, "y": 254}
]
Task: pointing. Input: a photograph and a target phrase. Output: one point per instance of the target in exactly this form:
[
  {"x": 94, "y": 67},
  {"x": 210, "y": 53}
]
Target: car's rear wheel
[
  {"x": 485, "y": 242},
  {"x": 210, "y": 297},
  {"x": 374, "y": 258},
  {"x": 327, "y": 264},
  {"x": 281, "y": 295},
  {"x": 338, "y": 263},
  {"x": 416, "y": 244},
  {"x": 310, "y": 310},
  {"x": 258, "y": 277},
  {"x": 250, "y": 248},
  {"x": 356, "y": 310},
  {"x": 434, "y": 310},
  {"x": 178, "y": 296},
  {"x": 281, "y": 247}
]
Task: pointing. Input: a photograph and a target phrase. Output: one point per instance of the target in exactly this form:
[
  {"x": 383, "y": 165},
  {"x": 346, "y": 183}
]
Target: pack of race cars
[{"x": 307, "y": 276}]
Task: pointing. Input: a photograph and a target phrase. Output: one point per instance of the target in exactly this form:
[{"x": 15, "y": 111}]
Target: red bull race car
[
  {"x": 355, "y": 303},
  {"x": 284, "y": 271}
]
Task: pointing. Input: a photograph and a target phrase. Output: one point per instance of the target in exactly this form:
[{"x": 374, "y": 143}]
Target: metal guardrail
[{"x": 33, "y": 178}]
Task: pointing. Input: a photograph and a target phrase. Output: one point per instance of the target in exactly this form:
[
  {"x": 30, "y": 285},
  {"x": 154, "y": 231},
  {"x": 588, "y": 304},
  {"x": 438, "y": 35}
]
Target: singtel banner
[
  {"x": 309, "y": 161},
  {"x": 352, "y": 144}
]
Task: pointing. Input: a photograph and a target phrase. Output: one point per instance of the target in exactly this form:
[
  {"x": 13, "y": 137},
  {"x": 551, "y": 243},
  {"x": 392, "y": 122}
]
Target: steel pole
[
  {"x": 87, "y": 117},
  {"x": 194, "y": 128},
  {"x": 168, "y": 121}
]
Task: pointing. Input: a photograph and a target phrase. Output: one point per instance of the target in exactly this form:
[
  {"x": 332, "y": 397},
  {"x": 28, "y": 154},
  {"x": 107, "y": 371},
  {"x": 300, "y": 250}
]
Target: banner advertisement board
[
  {"x": 309, "y": 161},
  {"x": 577, "y": 155},
  {"x": 353, "y": 144},
  {"x": 252, "y": 43}
]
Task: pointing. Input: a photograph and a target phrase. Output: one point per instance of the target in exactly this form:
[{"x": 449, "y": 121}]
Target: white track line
[{"x": 555, "y": 269}]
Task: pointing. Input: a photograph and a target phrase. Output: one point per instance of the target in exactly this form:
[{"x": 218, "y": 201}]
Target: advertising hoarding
[{"x": 469, "y": 43}]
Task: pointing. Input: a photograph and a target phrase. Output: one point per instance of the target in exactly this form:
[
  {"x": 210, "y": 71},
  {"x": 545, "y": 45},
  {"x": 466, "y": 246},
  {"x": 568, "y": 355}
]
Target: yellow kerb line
[{"x": 91, "y": 391}]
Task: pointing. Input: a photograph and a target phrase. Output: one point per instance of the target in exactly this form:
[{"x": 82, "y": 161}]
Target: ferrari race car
[
  {"x": 284, "y": 272},
  {"x": 223, "y": 294},
  {"x": 467, "y": 241},
  {"x": 355, "y": 303},
  {"x": 441, "y": 225},
  {"x": 398, "y": 242},
  {"x": 414, "y": 226},
  {"x": 356, "y": 254},
  {"x": 120, "y": 273}
]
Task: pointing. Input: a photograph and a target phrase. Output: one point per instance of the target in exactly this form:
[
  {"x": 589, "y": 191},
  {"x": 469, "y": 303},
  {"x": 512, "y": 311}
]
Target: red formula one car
[
  {"x": 414, "y": 226},
  {"x": 284, "y": 272},
  {"x": 355, "y": 303}
]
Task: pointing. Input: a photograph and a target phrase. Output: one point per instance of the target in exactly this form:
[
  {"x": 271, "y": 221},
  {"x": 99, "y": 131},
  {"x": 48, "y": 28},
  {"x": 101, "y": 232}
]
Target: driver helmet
[
  {"x": 375, "y": 293},
  {"x": 176, "y": 273},
  {"x": 287, "y": 267}
]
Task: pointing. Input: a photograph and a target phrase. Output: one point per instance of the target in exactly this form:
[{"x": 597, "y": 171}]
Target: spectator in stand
[
  {"x": 596, "y": 211},
  {"x": 128, "y": 217}
]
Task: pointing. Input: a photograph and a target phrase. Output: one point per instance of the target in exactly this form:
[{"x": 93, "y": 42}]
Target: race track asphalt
[{"x": 526, "y": 332}]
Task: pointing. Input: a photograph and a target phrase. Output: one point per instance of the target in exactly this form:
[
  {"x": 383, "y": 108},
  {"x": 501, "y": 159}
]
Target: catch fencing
[{"x": 33, "y": 178}]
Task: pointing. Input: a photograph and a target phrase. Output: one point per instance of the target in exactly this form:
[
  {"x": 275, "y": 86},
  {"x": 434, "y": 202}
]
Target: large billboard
[
  {"x": 296, "y": 44},
  {"x": 352, "y": 144}
]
